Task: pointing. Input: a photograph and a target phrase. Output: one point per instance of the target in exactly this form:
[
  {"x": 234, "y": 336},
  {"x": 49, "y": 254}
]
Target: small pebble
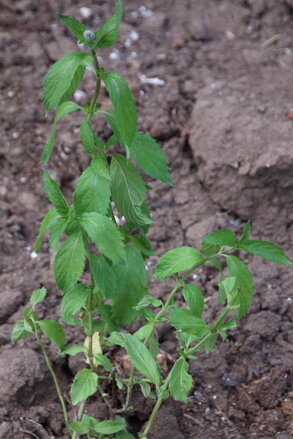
[{"x": 85, "y": 12}]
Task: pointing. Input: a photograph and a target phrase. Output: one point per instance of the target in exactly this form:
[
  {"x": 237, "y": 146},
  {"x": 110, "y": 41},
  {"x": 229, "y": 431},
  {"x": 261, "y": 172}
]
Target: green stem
[
  {"x": 79, "y": 417},
  {"x": 56, "y": 382},
  {"x": 98, "y": 87}
]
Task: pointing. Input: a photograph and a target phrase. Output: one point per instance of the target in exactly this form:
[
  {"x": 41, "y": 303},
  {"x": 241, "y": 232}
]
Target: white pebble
[
  {"x": 151, "y": 81},
  {"x": 15, "y": 135},
  {"x": 133, "y": 35},
  {"x": 115, "y": 55},
  {"x": 10, "y": 94},
  {"x": 34, "y": 255},
  {"x": 85, "y": 12},
  {"x": 79, "y": 95},
  {"x": 144, "y": 12}
]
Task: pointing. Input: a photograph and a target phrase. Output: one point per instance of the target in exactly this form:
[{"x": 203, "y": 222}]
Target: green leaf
[
  {"x": 108, "y": 35},
  {"x": 144, "y": 331},
  {"x": 141, "y": 358},
  {"x": 180, "y": 381},
  {"x": 92, "y": 192},
  {"x": 104, "y": 361},
  {"x": 73, "y": 350},
  {"x": 104, "y": 276},
  {"x": 210, "y": 343},
  {"x": 131, "y": 286},
  {"x": 19, "y": 331},
  {"x": 54, "y": 194},
  {"x": 142, "y": 244},
  {"x": 29, "y": 318},
  {"x": 69, "y": 261},
  {"x": 78, "y": 427},
  {"x": 77, "y": 28},
  {"x": 48, "y": 221},
  {"x": 56, "y": 232},
  {"x": 72, "y": 302},
  {"x": 123, "y": 105},
  {"x": 185, "y": 321},
  {"x": 104, "y": 233},
  {"x": 63, "y": 109},
  {"x": 244, "y": 283},
  {"x": 62, "y": 78},
  {"x": 109, "y": 427},
  {"x": 246, "y": 232},
  {"x": 128, "y": 190},
  {"x": 145, "y": 151},
  {"x": 194, "y": 299},
  {"x": 148, "y": 300},
  {"x": 84, "y": 385},
  {"x": 88, "y": 138},
  {"x": 221, "y": 238},
  {"x": 226, "y": 288},
  {"x": 124, "y": 435},
  {"x": 38, "y": 296},
  {"x": 176, "y": 260},
  {"x": 53, "y": 331},
  {"x": 265, "y": 250}
]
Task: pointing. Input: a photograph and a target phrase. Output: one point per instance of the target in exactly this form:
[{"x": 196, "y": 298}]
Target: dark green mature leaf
[
  {"x": 131, "y": 286},
  {"x": 38, "y": 296},
  {"x": 19, "y": 331},
  {"x": 48, "y": 221},
  {"x": 142, "y": 244},
  {"x": 53, "y": 331},
  {"x": 88, "y": 138},
  {"x": 124, "y": 435},
  {"x": 145, "y": 151},
  {"x": 140, "y": 357},
  {"x": 265, "y": 250},
  {"x": 194, "y": 299},
  {"x": 84, "y": 385},
  {"x": 244, "y": 283},
  {"x": 73, "y": 301},
  {"x": 221, "y": 238},
  {"x": 69, "y": 261},
  {"x": 65, "y": 108},
  {"x": 54, "y": 194},
  {"x": 176, "y": 260},
  {"x": 62, "y": 78},
  {"x": 77, "y": 28},
  {"x": 185, "y": 321},
  {"x": 104, "y": 276},
  {"x": 92, "y": 192},
  {"x": 108, "y": 35},
  {"x": 104, "y": 233},
  {"x": 123, "y": 104},
  {"x": 180, "y": 381},
  {"x": 56, "y": 231},
  {"x": 111, "y": 119},
  {"x": 109, "y": 427},
  {"x": 128, "y": 190}
]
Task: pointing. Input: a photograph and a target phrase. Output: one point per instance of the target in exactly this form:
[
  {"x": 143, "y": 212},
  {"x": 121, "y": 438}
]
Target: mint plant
[{"x": 113, "y": 256}]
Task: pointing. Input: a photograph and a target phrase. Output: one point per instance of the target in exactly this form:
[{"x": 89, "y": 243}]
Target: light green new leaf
[
  {"x": 194, "y": 299},
  {"x": 73, "y": 350},
  {"x": 131, "y": 286},
  {"x": 226, "y": 287},
  {"x": 19, "y": 331},
  {"x": 246, "y": 232},
  {"x": 176, "y": 260},
  {"x": 77, "y": 28},
  {"x": 104, "y": 276},
  {"x": 79, "y": 427},
  {"x": 38, "y": 296},
  {"x": 84, "y": 385},
  {"x": 244, "y": 283},
  {"x": 72, "y": 302},
  {"x": 180, "y": 381},
  {"x": 124, "y": 435},
  {"x": 62, "y": 78},
  {"x": 65, "y": 108},
  {"x": 108, "y": 35},
  {"x": 265, "y": 250},
  {"x": 145, "y": 151},
  {"x": 221, "y": 238},
  {"x": 144, "y": 331},
  {"x": 92, "y": 191},
  {"x": 104, "y": 233},
  {"x": 104, "y": 361},
  {"x": 69, "y": 261},
  {"x": 48, "y": 221},
  {"x": 185, "y": 321},
  {"x": 53, "y": 331},
  {"x": 54, "y": 194},
  {"x": 88, "y": 138},
  {"x": 128, "y": 190},
  {"x": 109, "y": 427},
  {"x": 123, "y": 105},
  {"x": 141, "y": 358}
]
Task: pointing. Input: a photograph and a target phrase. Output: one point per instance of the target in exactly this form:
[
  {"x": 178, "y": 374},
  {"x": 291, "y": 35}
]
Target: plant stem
[
  {"x": 98, "y": 87},
  {"x": 56, "y": 382},
  {"x": 79, "y": 416}
]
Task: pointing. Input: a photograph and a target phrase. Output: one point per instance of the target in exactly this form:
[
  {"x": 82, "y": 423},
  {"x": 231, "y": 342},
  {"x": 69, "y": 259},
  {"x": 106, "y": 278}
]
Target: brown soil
[{"x": 224, "y": 118}]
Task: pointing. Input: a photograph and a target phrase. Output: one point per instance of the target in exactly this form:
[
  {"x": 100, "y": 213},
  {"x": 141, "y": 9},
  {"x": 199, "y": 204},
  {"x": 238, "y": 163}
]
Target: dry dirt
[{"x": 222, "y": 110}]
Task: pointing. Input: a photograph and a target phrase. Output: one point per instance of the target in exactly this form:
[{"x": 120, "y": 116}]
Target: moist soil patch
[{"x": 212, "y": 81}]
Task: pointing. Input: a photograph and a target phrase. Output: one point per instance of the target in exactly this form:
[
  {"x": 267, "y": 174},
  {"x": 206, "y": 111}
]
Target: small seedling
[{"x": 115, "y": 256}]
